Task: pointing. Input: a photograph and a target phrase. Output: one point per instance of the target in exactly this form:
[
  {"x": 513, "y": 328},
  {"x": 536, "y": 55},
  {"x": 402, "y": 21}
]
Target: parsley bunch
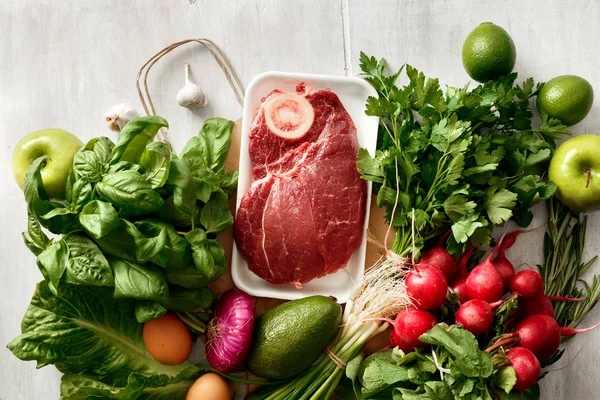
[{"x": 466, "y": 159}]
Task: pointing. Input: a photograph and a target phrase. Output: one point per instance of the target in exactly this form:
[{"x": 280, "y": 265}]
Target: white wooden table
[{"x": 63, "y": 63}]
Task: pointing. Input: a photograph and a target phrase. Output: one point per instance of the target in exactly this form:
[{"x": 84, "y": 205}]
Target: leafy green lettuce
[{"x": 97, "y": 343}]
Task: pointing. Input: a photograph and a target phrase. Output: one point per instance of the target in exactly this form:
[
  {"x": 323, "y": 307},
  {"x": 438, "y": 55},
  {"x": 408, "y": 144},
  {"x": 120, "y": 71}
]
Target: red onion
[{"x": 229, "y": 334}]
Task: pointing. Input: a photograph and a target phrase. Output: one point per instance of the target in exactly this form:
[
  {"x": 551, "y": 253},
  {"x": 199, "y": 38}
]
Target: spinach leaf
[
  {"x": 134, "y": 137},
  {"x": 39, "y": 204},
  {"x": 88, "y": 165},
  {"x": 182, "y": 299},
  {"x": 128, "y": 243},
  {"x": 184, "y": 188},
  {"x": 156, "y": 161},
  {"x": 99, "y": 218},
  {"x": 35, "y": 239},
  {"x": 176, "y": 252},
  {"x": 85, "y": 331},
  {"x": 215, "y": 216},
  {"x": 141, "y": 282},
  {"x": 129, "y": 191},
  {"x": 52, "y": 263},
  {"x": 148, "y": 310},
  {"x": 208, "y": 255},
  {"x": 86, "y": 264}
]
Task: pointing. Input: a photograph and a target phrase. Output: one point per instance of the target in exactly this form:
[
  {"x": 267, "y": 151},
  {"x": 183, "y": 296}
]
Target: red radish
[
  {"x": 505, "y": 268},
  {"x": 484, "y": 281},
  {"x": 462, "y": 265},
  {"x": 440, "y": 258},
  {"x": 475, "y": 316},
  {"x": 526, "y": 365},
  {"x": 541, "y": 334},
  {"x": 539, "y": 305},
  {"x": 409, "y": 325},
  {"x": 527, "y": 284},
  {"x": 229, "y": 334},
  {"x": 460, "y": 288},
  {"x": 427, "y": 286}
]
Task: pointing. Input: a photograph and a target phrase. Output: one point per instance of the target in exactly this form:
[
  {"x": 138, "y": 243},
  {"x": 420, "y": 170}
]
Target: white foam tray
[{"x": 353, "y": 93}]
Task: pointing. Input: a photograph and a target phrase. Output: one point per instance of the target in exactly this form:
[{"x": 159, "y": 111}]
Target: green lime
[
  {"x": 567, "y": 98},
  {"x": 488, "y": 53}
]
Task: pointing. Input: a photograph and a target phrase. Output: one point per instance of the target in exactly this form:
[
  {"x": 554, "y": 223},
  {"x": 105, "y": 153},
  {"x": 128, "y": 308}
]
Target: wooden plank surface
[{"x": 65, "y": 62}]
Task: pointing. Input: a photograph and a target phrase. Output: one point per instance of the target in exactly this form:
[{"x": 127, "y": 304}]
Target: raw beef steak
[{"x": 304, "y": 215}]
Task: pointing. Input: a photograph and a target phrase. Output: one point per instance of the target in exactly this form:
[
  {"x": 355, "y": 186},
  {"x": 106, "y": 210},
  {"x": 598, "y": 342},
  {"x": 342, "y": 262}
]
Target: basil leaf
[
  {"x": 83, "y": 193},
  {"x": 188, "y": 277},
  {"x": 35, "y": 239},
  {"x": 208, "y": 255},
  {"x": 56, "y": 213},
  {"x": 85, "y": 331},
  {"x": 211, "y": 145},
  {"x": 141, "y": 282},
  {"x": 86, "y": 265},
  {"x": 52, "y": 262},
  {"x": 71, "y": 179},
  {"x": 215, "y": 137},
  {"x": 102, "y": 147},
  {"x": 184, "y": 189},
  {"x": 171, "y": 214},
  {"x": 148, "y": 310},
  {"x": 215, "y": 215},
  {"x": 129, "y": 191},
  {"x": 134, "y": 137},
  {"x": 176, "y": 251},
  {"x": 181, "y": 299},
  {"x": 99, "y": 218},
  {"x": 39, "y": 203},
  {"x": 156, "y": 161},
  {"x": 124, "y": 166},
  {"x": 229, "y": 183},
  {"x": 128, "y": 243},
  {"x": 88, "y": 165}
]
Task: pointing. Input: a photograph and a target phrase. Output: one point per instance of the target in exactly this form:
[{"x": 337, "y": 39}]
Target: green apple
[
  {"x": 575, "y": 168},
  {"x": 59, "y": 145}
]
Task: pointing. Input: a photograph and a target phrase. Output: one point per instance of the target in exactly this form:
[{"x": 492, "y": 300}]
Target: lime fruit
[
  {"x": 567, "y": 98},
  {"x": 488, "y": 53}
]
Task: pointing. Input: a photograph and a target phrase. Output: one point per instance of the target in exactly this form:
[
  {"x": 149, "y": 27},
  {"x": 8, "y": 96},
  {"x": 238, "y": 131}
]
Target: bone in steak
[{"x": 303, "y": 216}]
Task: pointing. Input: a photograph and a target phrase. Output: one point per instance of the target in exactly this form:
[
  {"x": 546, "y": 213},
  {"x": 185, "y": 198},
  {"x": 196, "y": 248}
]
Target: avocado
[{"x": 288, "y": 339}]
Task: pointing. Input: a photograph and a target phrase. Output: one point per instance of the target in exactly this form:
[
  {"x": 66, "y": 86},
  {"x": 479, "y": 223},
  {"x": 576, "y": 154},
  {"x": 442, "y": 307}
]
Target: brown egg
[
  {"x": 209, "y": 387},
  {"x": 167, "y": 339}
]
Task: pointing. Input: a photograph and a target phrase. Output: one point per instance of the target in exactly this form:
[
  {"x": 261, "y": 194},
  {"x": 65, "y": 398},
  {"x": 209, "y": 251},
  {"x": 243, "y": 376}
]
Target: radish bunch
[{"x": 533, "y": 335}]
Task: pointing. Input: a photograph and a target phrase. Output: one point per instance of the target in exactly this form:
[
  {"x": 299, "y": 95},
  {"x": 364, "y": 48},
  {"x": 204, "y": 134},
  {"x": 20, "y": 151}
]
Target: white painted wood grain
[
  {"x": 552, "y": 38},
  {"x": 63, "y": 63}
]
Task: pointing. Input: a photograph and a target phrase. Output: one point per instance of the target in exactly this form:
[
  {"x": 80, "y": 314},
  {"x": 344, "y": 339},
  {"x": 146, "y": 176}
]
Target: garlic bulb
[
  {"x": 190, "y": 95},
  {"x": 119, "y": 115}
]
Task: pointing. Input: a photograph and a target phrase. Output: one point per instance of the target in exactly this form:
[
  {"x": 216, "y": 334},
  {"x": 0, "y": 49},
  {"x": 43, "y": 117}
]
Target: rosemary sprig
[{"x": 563, "y": 267}]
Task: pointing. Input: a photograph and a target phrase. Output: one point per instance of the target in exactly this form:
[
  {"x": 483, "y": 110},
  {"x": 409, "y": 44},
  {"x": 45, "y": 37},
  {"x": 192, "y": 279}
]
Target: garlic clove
[
  {"x": 119, "y": 115},
  {"x": 190, "y": 95}
]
